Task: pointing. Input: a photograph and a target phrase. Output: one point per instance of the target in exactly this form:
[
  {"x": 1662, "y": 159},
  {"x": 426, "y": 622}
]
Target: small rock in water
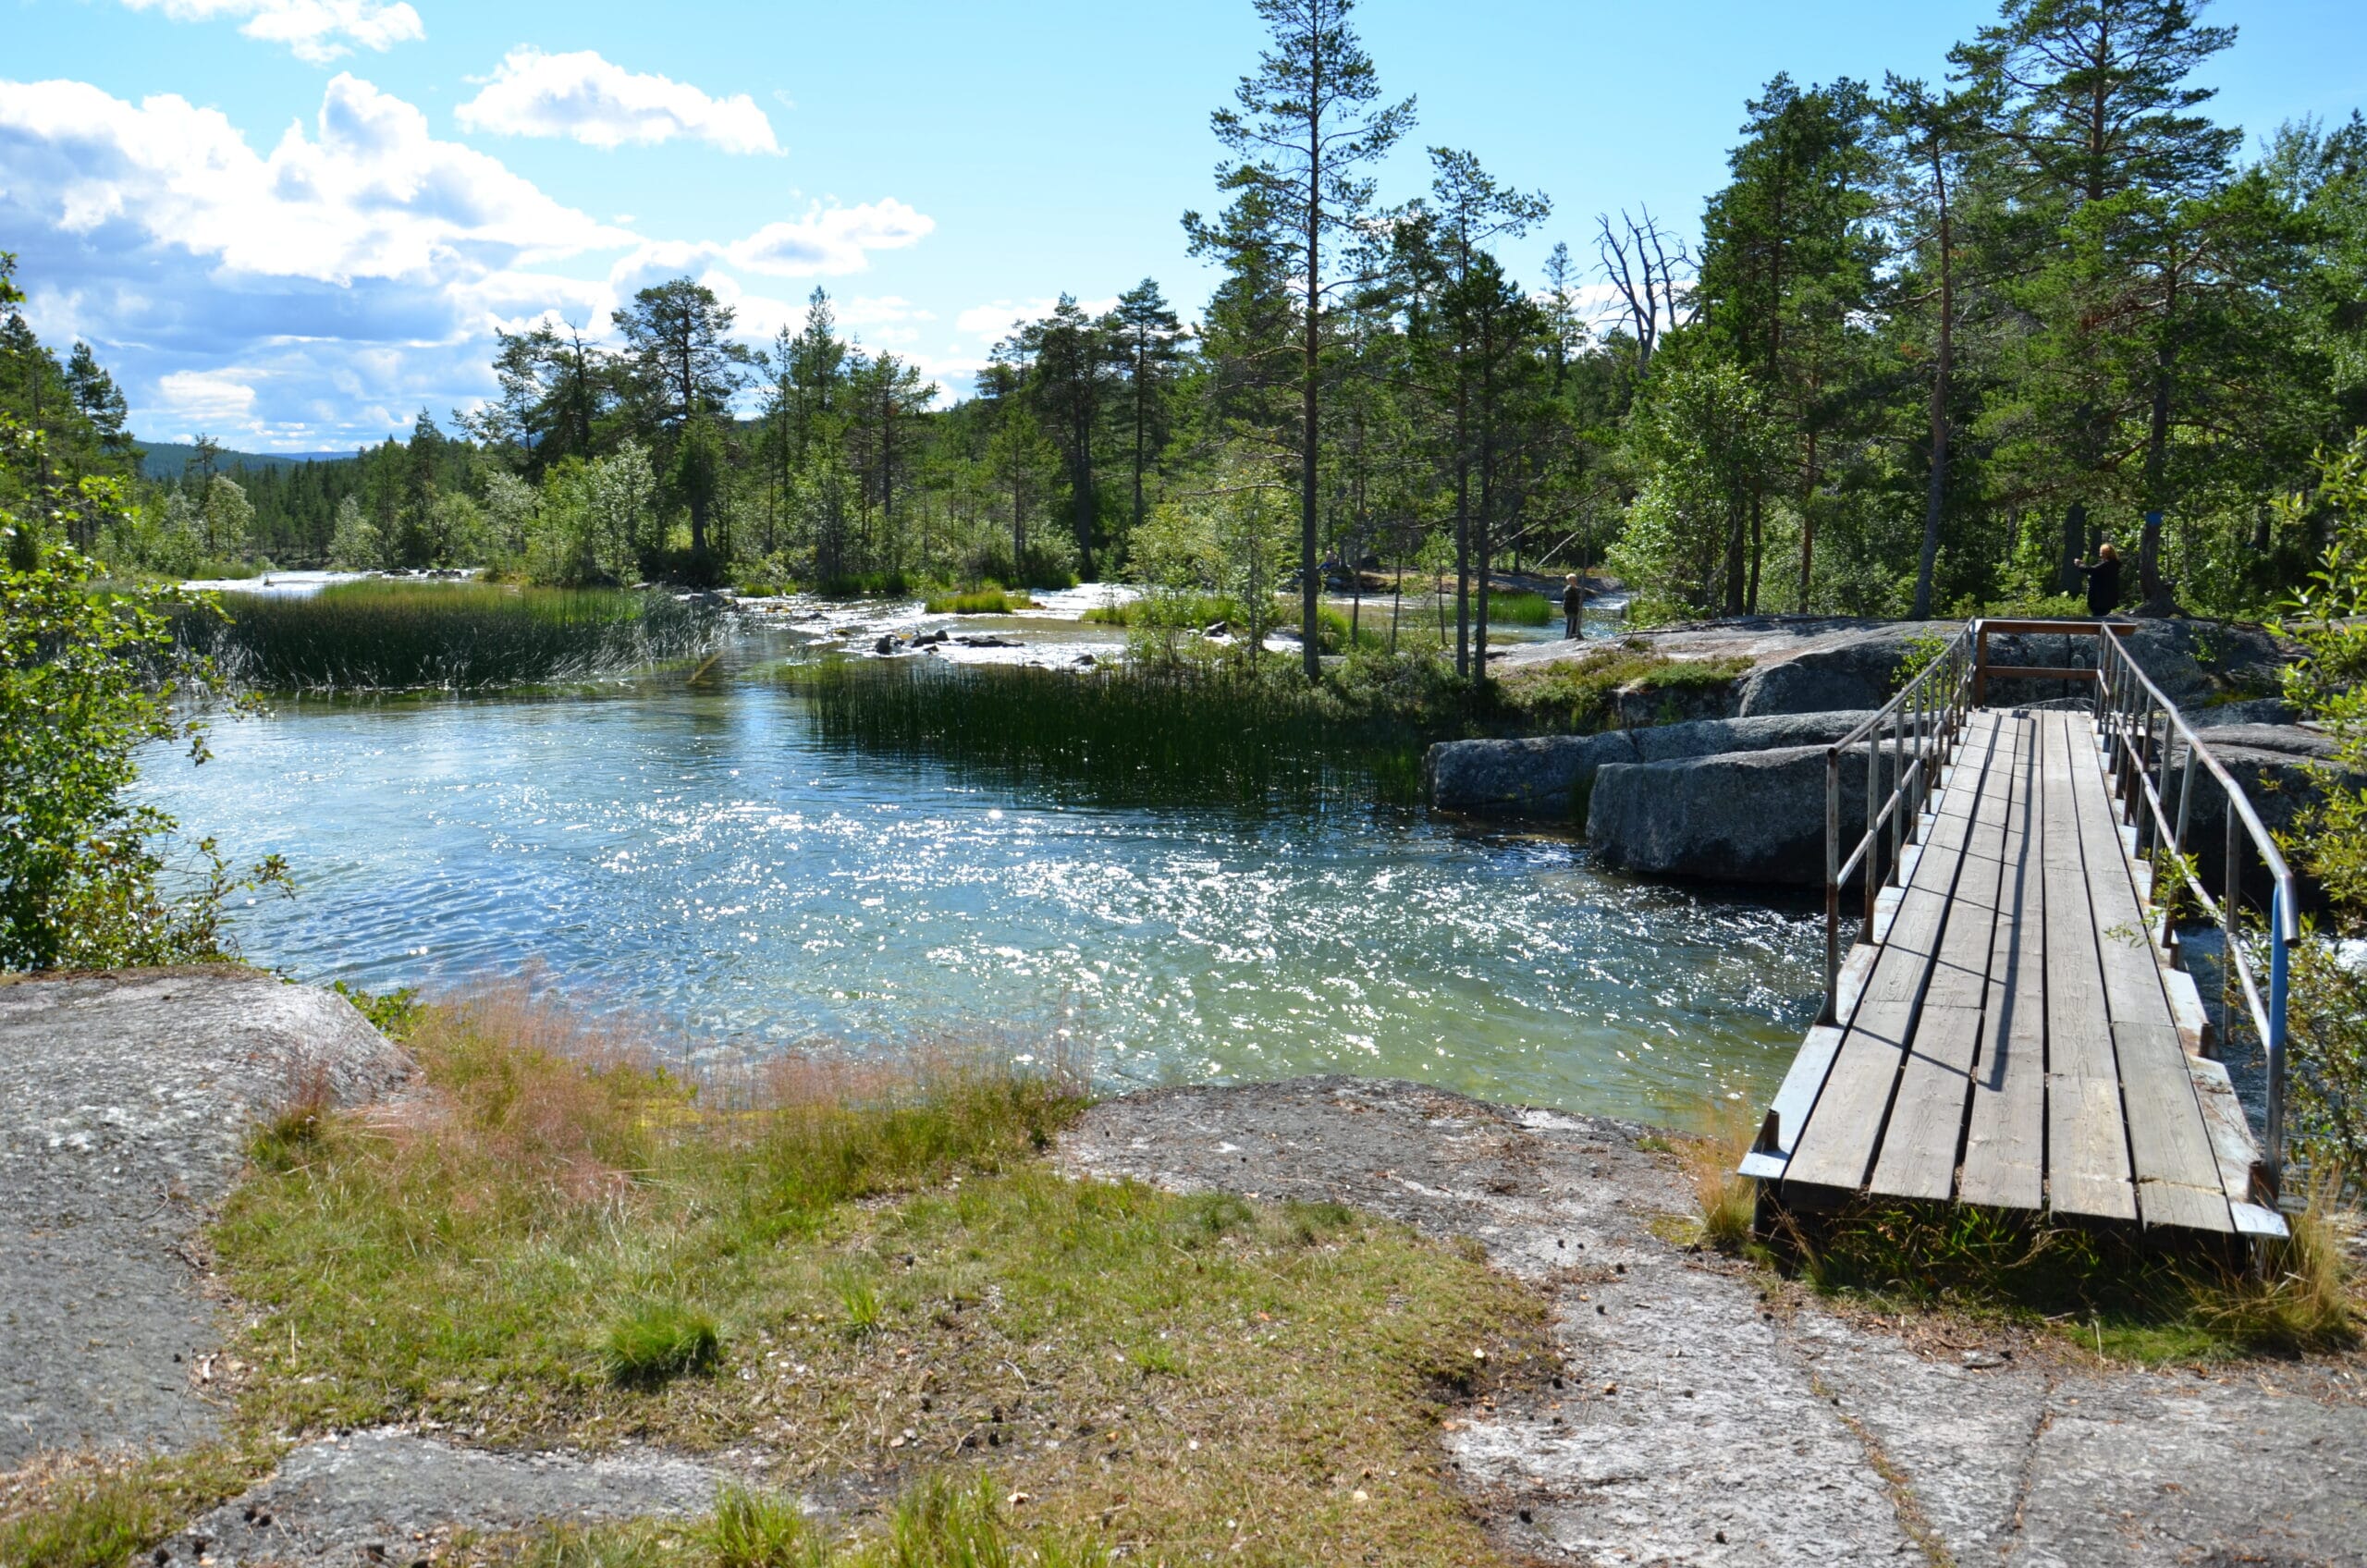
[{"x": 885, "y": 645}]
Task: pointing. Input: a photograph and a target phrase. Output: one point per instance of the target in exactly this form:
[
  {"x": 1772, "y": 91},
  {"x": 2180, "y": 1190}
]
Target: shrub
[
  {"x": 89, "y": 677},
  {"x": 2329, "y": 840},
  {"x": 1583, "y": 695}
]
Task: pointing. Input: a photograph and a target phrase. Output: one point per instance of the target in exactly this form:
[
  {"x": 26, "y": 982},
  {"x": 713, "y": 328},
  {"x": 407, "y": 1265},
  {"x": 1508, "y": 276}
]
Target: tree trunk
[
  {"x": 1311, "y": 657},
  {"x": 1936, "y": 486},
  {"x": 2075, "y": 539},
  {"x": 1462, "y": 557},
  {"x": 1738, "y": 517}
]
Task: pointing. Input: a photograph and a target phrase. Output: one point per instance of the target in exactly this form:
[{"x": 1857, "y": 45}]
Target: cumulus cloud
[
  {"x": 203, "y": 400},
  {"x": 317, "y": 31},
  {"x": 826, "y": 242},
  {"x": 317, "y": 289},
  {"x": 587, "y": 99},
  {"x": 369, "y": 194},
  {"x": 357, "y": 246}
]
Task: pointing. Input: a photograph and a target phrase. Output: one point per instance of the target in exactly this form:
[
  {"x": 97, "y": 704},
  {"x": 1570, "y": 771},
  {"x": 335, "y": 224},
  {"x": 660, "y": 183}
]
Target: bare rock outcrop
[{"x": 132, "y": 1096}]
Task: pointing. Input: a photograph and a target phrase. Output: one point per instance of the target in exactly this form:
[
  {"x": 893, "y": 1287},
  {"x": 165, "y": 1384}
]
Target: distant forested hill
[{"x": 166, "y": 460}]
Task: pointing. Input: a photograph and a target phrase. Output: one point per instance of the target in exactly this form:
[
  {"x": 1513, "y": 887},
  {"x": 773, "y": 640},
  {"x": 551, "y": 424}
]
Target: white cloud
[
  {"x": 830, "y": 240},
  {"x": 370, "y": 195},
  {"x": 203, "y": 401},
  {"x": 317, "y": 31},
  {"x": 584, "y": 97},
  {"x": 293, "y": 293},
  {"x": 998, "y": 320},
  {"x": 826, "y": 242}
]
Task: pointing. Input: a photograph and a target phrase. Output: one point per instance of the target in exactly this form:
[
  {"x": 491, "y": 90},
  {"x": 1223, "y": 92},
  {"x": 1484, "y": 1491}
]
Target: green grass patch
[
  {"x": 906, "y": 1296},
  {"x": 1193, "y": 612},
  {"x": 403, "y": 636},
  {"x": 652, "y": 1341},
  {"x": 1521, "y": 608},
  {"x": 1199, "y": 731},
  {"x": 99, "y": 1512},
  {"x": 1589, "y": 693},
  {"x": 938, "y": 1522},
  {"x": 2114, "y": 1292},
  {"x": 978, "y": 600}
]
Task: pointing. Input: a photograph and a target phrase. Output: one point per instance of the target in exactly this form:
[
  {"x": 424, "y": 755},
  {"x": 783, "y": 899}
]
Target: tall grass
[
  {"x": 398, "y": 636},
  {"x": 1521, "y": 608},
  {"x": 1203, "y": 733},
  {"x": 978, "y": 600},
  {"x": 2132, "y": 1299}
]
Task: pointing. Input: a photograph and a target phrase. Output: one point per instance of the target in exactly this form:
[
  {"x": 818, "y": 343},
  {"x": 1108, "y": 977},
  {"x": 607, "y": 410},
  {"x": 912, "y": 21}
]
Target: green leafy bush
[
  {"x": 89, "y": 676},
  {"x": 2329, "y": 841}
]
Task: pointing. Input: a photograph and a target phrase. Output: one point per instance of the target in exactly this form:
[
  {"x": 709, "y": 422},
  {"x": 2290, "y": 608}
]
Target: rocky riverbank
[
  {"x": 1699, "y": 1411},
  {"x": 1739, "y": 797}
]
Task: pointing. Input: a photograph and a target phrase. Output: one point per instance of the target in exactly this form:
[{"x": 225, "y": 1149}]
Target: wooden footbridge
[{"x": 2014, "y": 1027}]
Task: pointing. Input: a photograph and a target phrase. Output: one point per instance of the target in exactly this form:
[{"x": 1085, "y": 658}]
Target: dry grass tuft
[
  {"x": 2302, "y": 1296},
  {"x": 1727, "y": 1202}
]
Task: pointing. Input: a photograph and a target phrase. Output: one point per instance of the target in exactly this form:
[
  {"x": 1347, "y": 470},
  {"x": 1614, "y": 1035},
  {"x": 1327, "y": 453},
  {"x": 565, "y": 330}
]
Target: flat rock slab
[
  {"x": 131, "y": 1096},
  {"x": 394, "y": 1498},
  {"x": 1695, "y": 1425}
]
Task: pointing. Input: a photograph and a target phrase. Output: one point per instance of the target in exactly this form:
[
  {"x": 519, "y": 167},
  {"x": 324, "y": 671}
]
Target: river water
[{"x": 689, "y": 851}]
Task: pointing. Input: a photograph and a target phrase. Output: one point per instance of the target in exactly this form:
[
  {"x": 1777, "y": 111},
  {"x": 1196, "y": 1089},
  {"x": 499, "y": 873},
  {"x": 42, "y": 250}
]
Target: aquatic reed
[
  {"x": 1220, "y": 733},
  {"x": 396, "y": 636}
]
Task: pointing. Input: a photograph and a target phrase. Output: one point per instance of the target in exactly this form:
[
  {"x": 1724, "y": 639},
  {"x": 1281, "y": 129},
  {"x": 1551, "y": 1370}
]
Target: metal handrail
[
  {"x": 2129, "y": 708},
  {"x": 1934, "y": 706}
]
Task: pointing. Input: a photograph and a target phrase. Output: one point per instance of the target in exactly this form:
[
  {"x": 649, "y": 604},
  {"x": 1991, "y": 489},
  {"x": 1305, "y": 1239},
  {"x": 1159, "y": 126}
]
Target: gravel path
[{"x": 1699, "y": 1422}]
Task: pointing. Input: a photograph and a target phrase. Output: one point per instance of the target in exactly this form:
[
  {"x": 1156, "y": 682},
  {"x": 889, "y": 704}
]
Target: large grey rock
[
  {"x": 396, "y": 1498},
  {"x": 2283, "y": 770},
  {"x": 131, "y": 1099},
  {"x": 1695, "y": 1421},
  {"x": 1749, "y": 816},
  {"x": 1810, "y": 664},
  {"x": 1550, "y": 776}
]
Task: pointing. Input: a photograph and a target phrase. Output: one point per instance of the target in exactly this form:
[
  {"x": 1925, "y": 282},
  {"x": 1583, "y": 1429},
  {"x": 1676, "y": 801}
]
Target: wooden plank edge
[
  {"x": 2232, "y": 1145},
  {"x": 1856, "y": 968},
  {"x": 2188, "y": 1012},
  {"x": 2253, "y": 1220},
  {"x": 1811, "y": 1064}
]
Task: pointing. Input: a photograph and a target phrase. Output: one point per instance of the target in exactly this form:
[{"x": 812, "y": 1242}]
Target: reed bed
[
  {"x": 1131, "y": 735},
  {"x": 1521, "y": 608},
  {"x": 978, "y": 600},
  {"x": 378, "y": 636}
]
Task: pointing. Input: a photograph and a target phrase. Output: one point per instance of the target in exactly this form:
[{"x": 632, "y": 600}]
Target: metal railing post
[
  {"x": 1831, "y": 885},
  {"x": 2280, "y": 909}
]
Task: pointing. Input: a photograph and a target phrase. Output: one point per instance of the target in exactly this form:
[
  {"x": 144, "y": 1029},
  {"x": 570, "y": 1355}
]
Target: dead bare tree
[{"x": 1637, "y": 261}]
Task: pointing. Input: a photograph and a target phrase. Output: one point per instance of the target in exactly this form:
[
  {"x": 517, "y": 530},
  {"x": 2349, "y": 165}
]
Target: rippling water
[{"x": 692, "y": 852}]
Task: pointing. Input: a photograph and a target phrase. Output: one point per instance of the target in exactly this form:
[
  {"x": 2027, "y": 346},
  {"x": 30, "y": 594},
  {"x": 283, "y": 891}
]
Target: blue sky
[{"x": 293, "y": 223}]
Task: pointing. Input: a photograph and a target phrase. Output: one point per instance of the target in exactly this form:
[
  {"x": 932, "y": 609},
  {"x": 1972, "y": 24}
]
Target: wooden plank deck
[{"x": 2012, "y": 1042}]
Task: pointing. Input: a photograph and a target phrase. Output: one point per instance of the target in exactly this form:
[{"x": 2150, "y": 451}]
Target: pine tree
[{"x": 1303, "y": 133}]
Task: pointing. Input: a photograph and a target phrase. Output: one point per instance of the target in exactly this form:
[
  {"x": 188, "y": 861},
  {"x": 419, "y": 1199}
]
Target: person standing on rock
[
  {"x": 1574, "y": 608},
  {"x": 2103, "y": 581}
]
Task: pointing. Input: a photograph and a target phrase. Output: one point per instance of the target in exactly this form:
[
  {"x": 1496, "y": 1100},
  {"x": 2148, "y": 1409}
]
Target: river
[{"x": 691, "y": 853}]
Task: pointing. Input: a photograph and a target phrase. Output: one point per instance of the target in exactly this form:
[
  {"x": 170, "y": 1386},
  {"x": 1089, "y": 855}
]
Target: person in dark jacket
[
  {"x": 1574, "y": 608},
  {"x": 2103, "y": 581}
]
